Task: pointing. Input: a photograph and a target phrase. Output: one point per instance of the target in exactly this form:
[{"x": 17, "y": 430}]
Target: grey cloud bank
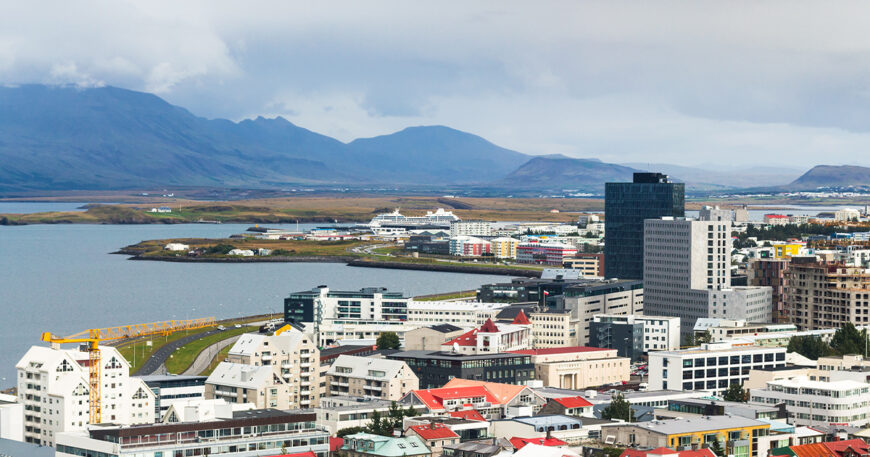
[{"x": 685, "y": 82}]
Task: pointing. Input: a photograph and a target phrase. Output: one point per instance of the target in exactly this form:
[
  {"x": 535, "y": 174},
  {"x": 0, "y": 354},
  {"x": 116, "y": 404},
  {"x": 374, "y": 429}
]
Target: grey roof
[
  {"x": 702, "y": 402},
  {"x": 19, "y": 449},
  {"x": 555, "y": 392},
  {"x": 445, "y": 328},
  {"x": 342, "y": 349},
  {"x": 157, "y": 378},
  {"x": 551, "y": 419},
  {"x": 259, "y": 413},
  {"x": 472, "y": 446},
  {"x": 697, "y": 424}
]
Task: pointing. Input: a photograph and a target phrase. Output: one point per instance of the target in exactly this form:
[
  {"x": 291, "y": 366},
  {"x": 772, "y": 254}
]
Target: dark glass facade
[
  {"x": 626, "y": 338},
  {"x": 434, "y": 369},
  {"x": 626, "y": 206}
]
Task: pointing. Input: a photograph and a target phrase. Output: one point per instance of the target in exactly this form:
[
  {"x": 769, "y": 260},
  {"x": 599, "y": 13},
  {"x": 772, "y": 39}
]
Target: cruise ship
[{"x": 439, "y": 218}]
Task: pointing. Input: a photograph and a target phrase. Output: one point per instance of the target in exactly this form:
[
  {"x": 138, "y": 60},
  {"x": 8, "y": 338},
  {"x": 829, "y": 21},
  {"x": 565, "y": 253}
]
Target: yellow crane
[{"x": 94, "y": 336}]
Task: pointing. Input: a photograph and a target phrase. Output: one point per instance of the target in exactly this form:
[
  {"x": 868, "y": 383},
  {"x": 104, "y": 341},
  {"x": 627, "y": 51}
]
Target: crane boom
[{"x": 94, "y": 336}]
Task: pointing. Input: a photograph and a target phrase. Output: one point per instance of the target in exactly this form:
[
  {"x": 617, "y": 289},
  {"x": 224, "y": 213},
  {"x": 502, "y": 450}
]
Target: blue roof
[{"x": 553, "y": 419}]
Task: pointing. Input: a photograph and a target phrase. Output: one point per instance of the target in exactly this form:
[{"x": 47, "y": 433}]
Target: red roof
[
  {"x": 299, "y": 454},
  {"x": 468, "y": 338},
  {"x": 335, "y": 443},
  {"x": 856, "y": 445},
  {"x": 434, "y": 431},
  {"x": 434, "y": 398},
  {"x": 667, "y": 451},
  {"x": 518, "y": 443},
  {"x": 468, "y": 414},
  {"x": 561, "y": 350},
  {"x": 573, "y": 402},
  {"x": 489, "y": 327},
  {"x": 775, "y": 216},
  {"x": 521, "y": 319}
]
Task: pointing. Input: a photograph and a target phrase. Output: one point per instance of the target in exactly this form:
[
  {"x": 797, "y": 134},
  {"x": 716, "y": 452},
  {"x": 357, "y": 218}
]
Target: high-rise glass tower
[{"x": 626, "y": 206}]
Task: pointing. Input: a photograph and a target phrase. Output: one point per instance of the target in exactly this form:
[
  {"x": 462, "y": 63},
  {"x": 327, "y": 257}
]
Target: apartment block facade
[
  {"x": 370, "y": 377},
  {"x": 827, "y": 295}
]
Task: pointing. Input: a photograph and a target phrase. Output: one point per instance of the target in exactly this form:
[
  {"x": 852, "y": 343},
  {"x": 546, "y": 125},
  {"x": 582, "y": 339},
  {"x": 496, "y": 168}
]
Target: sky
[{"x": 728, "y": 84}]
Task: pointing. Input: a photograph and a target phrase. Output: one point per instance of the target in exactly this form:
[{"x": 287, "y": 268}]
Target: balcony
[
  {"x": 286, "y": 365},
  {"x": 266, "y": 357}
]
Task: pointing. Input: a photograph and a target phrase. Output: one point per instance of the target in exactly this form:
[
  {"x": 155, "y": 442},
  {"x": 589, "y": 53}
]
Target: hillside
[
  {"x": 559, "y": 172},
  {"x": 102, "y": 138},
  {"x": 833, "y": 176}
]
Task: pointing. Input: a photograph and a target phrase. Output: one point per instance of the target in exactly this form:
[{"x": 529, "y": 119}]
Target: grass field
[
  {"x": 183, "y": 358},
  {"x": 448, "y": 296},
  {"x": 143, "y": 351},
  {"x": 293, "y": 248},
  {"x": 220, "y": 357}
]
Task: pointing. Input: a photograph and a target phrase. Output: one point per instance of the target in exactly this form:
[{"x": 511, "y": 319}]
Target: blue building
[{"x": 626, "y": 206}]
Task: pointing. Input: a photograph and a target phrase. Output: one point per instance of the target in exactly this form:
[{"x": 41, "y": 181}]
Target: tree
[
  {"x": 809, "y": 346},
  {"x": 349, "y": 431},
  {"x": 618, "y": 408},
  {"x": 389, "y": 340},
  {"x": 848, "y": 340},
  {"x": 717, "y": 449},
  {"x": 380, "y": 426},
  {"x": 613, "y": 451},
  {"x": 735, "y": 392}
]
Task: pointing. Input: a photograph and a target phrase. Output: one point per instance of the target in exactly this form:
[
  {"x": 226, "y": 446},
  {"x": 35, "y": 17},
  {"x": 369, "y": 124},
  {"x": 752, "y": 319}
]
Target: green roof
[{"x": 384, "y": 445}]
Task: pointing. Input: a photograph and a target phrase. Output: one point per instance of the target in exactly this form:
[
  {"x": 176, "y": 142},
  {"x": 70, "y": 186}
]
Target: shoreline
[{"x": 347, "y": 260}]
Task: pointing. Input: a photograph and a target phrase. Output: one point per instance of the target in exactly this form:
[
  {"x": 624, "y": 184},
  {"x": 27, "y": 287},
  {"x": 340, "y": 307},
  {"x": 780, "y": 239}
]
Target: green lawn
[
  {"x": 447, "y": 296},
  {"x": 143, "y": 351},
  {"x": 220, "y": 357},
  {"x": 183, "y": 358}
]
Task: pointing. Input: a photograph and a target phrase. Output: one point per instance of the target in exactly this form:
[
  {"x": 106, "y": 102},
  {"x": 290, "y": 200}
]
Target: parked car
[{"x": 221, "y": 327}]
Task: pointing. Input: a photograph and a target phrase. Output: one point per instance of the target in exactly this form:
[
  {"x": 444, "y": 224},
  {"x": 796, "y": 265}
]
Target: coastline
[{"x": 350, "y": 261}]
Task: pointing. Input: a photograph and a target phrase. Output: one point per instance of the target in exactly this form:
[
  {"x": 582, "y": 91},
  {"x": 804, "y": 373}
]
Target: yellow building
[
  {"x": 504, "y": 247},
  {"x": 781, "y": 251},
  {"x": 737, "y": 435}
]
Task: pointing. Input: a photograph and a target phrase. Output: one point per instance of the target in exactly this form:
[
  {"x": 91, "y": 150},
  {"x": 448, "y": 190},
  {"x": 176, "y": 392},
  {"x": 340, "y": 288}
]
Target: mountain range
[{"x": 69, "y": 138}]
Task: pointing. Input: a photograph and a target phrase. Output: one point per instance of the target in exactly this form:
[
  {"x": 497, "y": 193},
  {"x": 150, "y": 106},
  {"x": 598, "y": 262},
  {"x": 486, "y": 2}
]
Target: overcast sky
[{"x": 721, "y": 82}]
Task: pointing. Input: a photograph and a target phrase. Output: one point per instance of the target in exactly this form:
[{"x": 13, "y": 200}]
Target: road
[
  {"x": 204, "y": 358},
  {"x": 153, "y": 364}
]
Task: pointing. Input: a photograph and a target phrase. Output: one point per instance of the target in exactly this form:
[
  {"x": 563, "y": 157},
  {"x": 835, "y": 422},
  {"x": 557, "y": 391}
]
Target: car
[
  {"x": 221, "y": 327},
  {"x": 238, "y": 325}
]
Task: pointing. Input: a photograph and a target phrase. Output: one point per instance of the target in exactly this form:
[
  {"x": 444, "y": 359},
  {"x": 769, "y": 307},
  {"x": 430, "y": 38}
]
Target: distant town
[{"x": 634, "y": 332}]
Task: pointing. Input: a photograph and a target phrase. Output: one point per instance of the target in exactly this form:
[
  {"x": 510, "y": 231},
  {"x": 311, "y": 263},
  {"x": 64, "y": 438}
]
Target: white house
[
  {"x": 176, "y": 247},
  {"x": 241, "y": 252}
]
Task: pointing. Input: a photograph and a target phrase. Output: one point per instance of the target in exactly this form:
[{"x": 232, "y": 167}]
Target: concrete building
[
  {"x": 811, "y": 402},
  {"x": 243, "y": 434},
  {"x": 584, "y": 301},
  {"x": 772, "y": 273},
  {"x": 370, "y": 377},
  {"x": 590, "y": 264},
  {"x": 821, "y": 295},
  {"x": 271, "y": 371},
  {"x": 471, "y": 228},
  {"x": 553, "y": 328},
  {"x": 687, "y": 273},
  {"x": 340, "y": 412},
  {"x": 432, "y": 337},
  {"x": 170, "y": 389},
  {"x": 367, "y": 304},
  {"x": 737, "y": 435},
  {"x": 632, "y": 336},
  {"x": 571, "y": 430},
  {"x": 711, "y": 367},
  {"x": 544, "y": 253},
  {"x": 776, "y": 219},
  {"x": 461, "y": 314},
  {"x": 435, "y": 369},
  {"x": 626, "y": 206},
  {"x": 577, "y": 367},
  {"x": 53, "y": 385},
  {"x": 504, "y": 247}
]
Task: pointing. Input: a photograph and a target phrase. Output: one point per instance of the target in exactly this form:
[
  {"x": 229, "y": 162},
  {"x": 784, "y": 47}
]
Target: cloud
[{"x": 689, "y": 82}]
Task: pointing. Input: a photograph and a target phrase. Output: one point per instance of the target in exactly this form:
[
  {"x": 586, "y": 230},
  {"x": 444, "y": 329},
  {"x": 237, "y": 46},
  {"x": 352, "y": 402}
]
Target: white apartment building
[
  {"x": 471, "y": 228},
  {"x": 710, "y": 367},
  {"x": 370, "y": 377},
  {"x": 809, "y": 402},
  {"x": 53, "y": 386},
  {"x": 458, "y": 313},
  {"x": 660, "y": 333},
  {"x": 687, "y": 272},
  {"x": 278, "y": 371},
  {"x": 11, "y": 418}
]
